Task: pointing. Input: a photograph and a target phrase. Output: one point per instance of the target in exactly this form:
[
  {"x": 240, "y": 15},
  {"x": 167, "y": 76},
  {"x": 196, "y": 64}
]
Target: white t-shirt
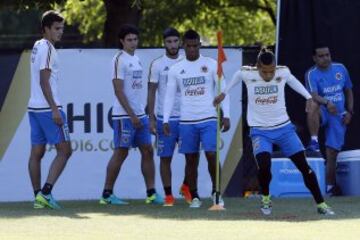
[
  {"x": 197, "y": 83},
  {"x": 159, "y": 70},
  {"x": 43, "y": 56},
  {"x": 127, "y": 68},
  {"x": 266, "y": 100}
]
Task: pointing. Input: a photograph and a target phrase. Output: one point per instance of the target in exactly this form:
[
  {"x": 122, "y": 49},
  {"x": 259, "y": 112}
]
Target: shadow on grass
[{"x": 284, "y": 210}]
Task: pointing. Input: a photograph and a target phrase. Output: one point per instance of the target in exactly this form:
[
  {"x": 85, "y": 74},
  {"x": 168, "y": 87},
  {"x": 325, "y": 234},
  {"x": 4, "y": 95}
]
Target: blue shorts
[
  {"x": 166, "y": 144},
  {"x": 44, "y": 130},
  {"x": 191, "y": 135},
  {"x": 285, "y": 137},
  {"x": 126, "y": 136},
  {"x": 334, "y": 129}
]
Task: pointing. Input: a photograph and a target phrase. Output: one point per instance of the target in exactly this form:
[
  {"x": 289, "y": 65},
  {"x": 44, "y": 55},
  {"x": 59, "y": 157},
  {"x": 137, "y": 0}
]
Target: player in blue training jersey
[
  {"x": 47, "y": 120},
  {"x": 331, "y": 88}
]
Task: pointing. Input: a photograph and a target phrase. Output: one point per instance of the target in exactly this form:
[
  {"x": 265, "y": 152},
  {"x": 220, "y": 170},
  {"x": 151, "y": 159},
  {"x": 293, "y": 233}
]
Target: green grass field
[{"x": 292, "y": 219}]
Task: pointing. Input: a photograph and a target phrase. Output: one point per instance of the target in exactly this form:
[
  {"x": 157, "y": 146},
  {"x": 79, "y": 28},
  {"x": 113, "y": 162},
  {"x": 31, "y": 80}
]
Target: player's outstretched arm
[{"x": 234, "y": 81}]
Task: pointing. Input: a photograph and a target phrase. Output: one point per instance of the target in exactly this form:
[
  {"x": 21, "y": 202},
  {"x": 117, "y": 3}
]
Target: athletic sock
[
  {"x": 194, "y": 194},
  {"x": 37, "y": 191},
  {"x": 150, "y": 192},
  {"x": 168, "y": 190},
  {"x": 315, "y": 138},
  {"x": 107, "y": 193},
  {"x": 46, "y": 190}
]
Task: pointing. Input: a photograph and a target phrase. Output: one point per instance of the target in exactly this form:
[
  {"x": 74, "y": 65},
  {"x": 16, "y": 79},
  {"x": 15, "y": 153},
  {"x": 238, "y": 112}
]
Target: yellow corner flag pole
[{"x": 220, "y": 59}]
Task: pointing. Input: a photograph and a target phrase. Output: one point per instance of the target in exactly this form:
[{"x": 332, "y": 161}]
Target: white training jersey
[
  {"x": 197, "y": 83},
  {"x": 266, "y": 100},
  {"x": 159, "y": 70},
  {"x": 128, "y": 68},
  {"x": 43, "y": 56}
]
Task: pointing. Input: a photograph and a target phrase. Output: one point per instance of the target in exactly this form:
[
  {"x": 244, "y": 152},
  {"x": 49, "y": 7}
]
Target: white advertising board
[{"x": 87, "y": 96}]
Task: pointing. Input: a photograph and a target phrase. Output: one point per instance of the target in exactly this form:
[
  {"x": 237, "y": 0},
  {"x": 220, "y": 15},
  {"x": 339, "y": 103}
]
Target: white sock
[
  {"x": 314, "y": 138},
  {"x": 329, "y": 187}
]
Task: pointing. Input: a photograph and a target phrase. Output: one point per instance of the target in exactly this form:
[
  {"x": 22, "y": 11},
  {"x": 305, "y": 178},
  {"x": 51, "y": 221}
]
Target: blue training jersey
[{"x": 329, "y": 84}]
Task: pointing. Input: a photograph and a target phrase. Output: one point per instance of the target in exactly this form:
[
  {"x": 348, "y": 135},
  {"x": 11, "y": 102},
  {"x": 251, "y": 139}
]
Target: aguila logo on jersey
[
  {"x": 278, "y": 79},
  {"x": 130, "y": 65},
  {"x": 182, "y": 71},
  {"x": 166, "y": 69},
  {"x": 204, "y": 69},
  {"x": 338, "y": 76},
  {"x": 253, "y": 80}
]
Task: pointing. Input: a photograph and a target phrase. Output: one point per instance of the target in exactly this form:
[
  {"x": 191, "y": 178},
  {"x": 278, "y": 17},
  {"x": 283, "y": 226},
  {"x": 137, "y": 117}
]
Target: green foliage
[
  {"x": 240, "y": 24},
  {"x": 88, "y": 15},
  {"x": 243, "y": 22}
]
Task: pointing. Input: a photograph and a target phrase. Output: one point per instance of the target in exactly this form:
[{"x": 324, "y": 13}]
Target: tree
[{"x": 244, "y": 22}]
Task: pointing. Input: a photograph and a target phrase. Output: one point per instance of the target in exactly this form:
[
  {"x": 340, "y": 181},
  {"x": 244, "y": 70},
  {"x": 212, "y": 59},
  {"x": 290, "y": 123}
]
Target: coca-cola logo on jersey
[
  {"x": 195, "y": 91},
  {"x": 266, "y": 100}
]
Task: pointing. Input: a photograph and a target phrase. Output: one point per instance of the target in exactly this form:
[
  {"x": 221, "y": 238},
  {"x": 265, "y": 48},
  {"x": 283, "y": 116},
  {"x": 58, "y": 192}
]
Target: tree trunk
[{"x": 118, "y": 12}]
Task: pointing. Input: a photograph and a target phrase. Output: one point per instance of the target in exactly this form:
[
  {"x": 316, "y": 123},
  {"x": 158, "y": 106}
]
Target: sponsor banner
[{"x": 87, "y": 96}]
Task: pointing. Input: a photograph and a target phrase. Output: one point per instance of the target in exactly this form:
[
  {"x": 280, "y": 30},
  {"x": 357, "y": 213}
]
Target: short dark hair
[
  {"x": 49, "y": 17},
  {"x": 266, "y": 56},
  {"x": 191, "y": 34},
  {"x": 170, "y": 32},
  {"x": 126, "y": 29},
  {"x": 317, "y": 46}
]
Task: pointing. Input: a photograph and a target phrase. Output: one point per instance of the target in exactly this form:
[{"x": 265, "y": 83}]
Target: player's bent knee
[
  {"x": 64, "y": 149},
  {"x": 147, "y": 150},
  {"x": 210, "y": 155}
]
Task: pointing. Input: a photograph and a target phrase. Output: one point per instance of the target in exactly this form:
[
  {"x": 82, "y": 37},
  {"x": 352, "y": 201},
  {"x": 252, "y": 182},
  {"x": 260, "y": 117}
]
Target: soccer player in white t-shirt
[
  {"x": 158, "y": 77},
  {"x": 270, "y": 124},
  {"x": 47, "y": 120},
  {"x": 130, "y": 123},
  {"x": 196, "y": 77}
]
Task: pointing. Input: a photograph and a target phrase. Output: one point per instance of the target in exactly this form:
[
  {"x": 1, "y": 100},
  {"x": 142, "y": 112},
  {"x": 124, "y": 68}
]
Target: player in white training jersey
[
  {"x": 158, "y": 77},
  {"x": 196, "y": 77},
  {"x": 270, "y": 124},
  {"x": 47, "y": 120},
  {"x": 130, "y": 123}
]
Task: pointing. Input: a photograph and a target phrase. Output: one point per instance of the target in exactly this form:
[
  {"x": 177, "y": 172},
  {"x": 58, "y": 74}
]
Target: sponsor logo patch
[
  {"x": 338, "y": 76},
  {"x": 204, "y": 69}
]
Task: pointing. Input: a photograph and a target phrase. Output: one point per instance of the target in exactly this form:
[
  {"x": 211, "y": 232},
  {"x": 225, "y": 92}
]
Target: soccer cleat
[
  {"x": 113, "y": 200},
  {"x": 313, "y": 146},
  {"x": 46, "y": 201},
  {"x": 38, "y": 205},
  {"x": 154, "y": 199},
  {"x": 221, "y": 200},
  {"x": 195, "y": 203},
  {"x": 266, "y": 206},
  {"x": 185, "y": 192},
  {"x": 169, "y": 201},
  {"x": 324, "y": 209}
]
